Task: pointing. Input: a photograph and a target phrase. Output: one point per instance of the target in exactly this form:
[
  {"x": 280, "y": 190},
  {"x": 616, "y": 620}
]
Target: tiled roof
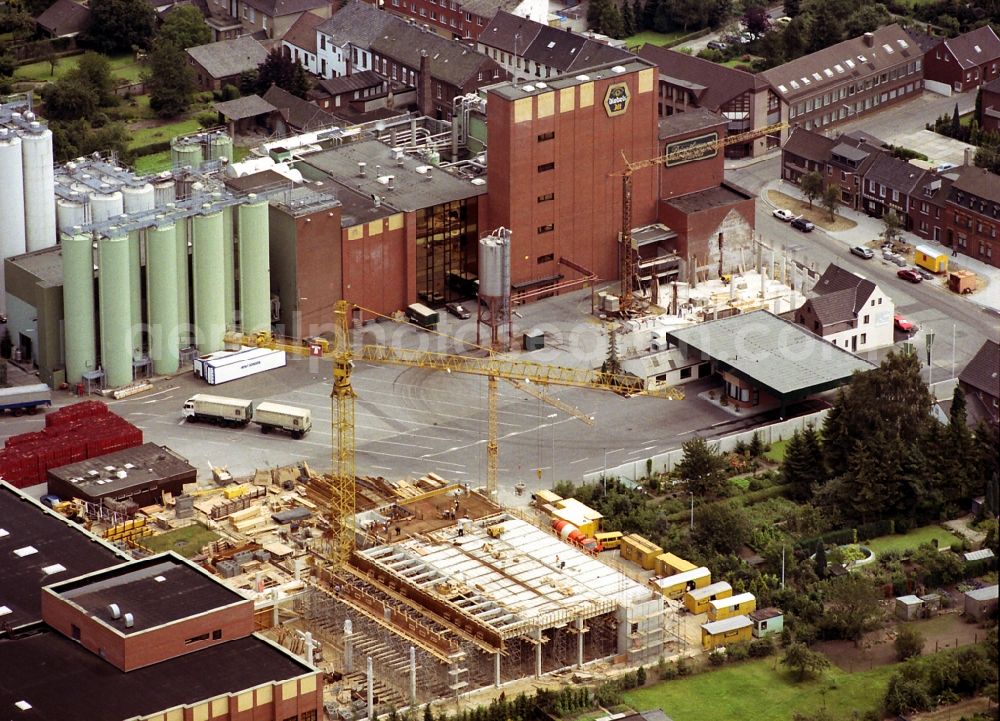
[
  {"x": 854, "y": 58},
  {"x": 488, "y": 8},
  {"x": 302, "y": 34},
  {"x": 840, "y": 295},
  {"x": 835, "y": 307},
  {"x": 229, "y": 57},
  {"x": 895, "y": 174},
  {"x": 349, "y": 83},
  {"x": 924, "y": 41},
  {"x": 63, "y": 18},
  {"x": 357, "y": 23},
  {"x": 505, "y": 31},
  {"x": 993, "y": 86},
  {"x": 241, "y": 108},
  {"x": 978, "y": 182},
  {"x": 451, "y": 61},
  {"x": 808, "y": 144},
  {"x": 721, "y": 84},
  {"x": 283, "y": 8},
  {"x": 983, "y": 371},
  {"x": 298, "y": 113},
  {"x": 974, "y": 47}
]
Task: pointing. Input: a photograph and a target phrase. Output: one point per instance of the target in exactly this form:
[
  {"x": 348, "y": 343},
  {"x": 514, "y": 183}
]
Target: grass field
[
  {"x": 913, "y": 539},
  {"x": 776, "y": 453},
  {"x": 153, "y": 163},
  {"x": 122, "y": 66},
  {"x": 755, "y": 690},
  {"x": 653, "y": 38},
  {"x": 147, "y": 136},
  {"x": 186, "y": 541}
]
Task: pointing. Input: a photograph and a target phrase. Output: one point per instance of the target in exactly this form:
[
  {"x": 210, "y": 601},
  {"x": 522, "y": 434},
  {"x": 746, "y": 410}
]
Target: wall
[
  {"x": 268, "y": 702},
  {"x": 35, "y": 309},
  {"x": 282, "y": 251},
  {"x": 379, "y": 261},
  {"x": 318, "y": 269},
  {"x": 698, "y": 233}
]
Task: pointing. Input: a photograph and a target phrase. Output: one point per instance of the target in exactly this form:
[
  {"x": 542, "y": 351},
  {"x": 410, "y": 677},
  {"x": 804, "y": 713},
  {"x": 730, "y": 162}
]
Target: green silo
[
  {"x": 161, "y": 298},
  {"x": 115, "y": 307},
  {"x": 208, "y": 264},
  {"x": 183, "y": 282},
  {"x": 227, "y": 247},
  {"x": 135, "y": 289},
  {"x": 78, "y": 294},
  {"x": 255, "y": 270}
]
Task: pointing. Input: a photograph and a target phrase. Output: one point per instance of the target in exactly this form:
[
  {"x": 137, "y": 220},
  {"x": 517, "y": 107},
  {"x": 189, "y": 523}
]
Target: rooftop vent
[
  {"x": 114, "y": 611},
  {"x": 361, "y": 168},
  {"x": 129, "y": 620},
  {"x": 618, "y": 69}
]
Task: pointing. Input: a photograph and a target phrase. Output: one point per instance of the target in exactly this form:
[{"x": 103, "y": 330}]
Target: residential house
[
  {"x": 989, "y": 114},
  {"x": 927, "y": 206},
  {"x": 804, "y": 152},
  {"x": 744, "y": 99},
  {"x": 892, "y": 184},
  {"x": 64, "y": 19},
  {"x": 270, "y": 19},
  {"x": 972, "y": 214},
  {"x": 219, "y": 64},
  {"x": 340, "y": 92},
  {"x": 851, "y": 78},
  {"x": 464, "y": 19},
  {"x": 295, "y": 115},
  {"x": 343, "y": 41},
  {"x": 963, "y": 63},
  {"x": 980, "y": 379},
  {"x": 848, "y": 310},
  {"x": 299, "y": 43},
  {"x": 529, "y": 50}
]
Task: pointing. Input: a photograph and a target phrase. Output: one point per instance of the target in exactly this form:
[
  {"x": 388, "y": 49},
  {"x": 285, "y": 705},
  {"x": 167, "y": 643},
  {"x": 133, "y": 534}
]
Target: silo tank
[
  {"x": 255, "y": 274},
  {"x": 162, "y": 297},
  {"x": 138, "y": 198},
  {"x": 185, "y": 152},
  {"x": 220, "y": 146},
  {"x": 228, "y": 270},
  {"x": 490, "y": 267},
  {"x": 115, "y": 308},
  {"x": 208, "y": 260},
  {"x": 78, "y": 294},
  {"x": 184, "y": 281},
  {"x": 163, "y": 192},
  {"x": 106, "y": 204},
  {"x": 11, "y": 195},
  {"x": 39, "y": 187},
  {"x": 135, "y": 287},
  {"x": 69, "y": 214}
]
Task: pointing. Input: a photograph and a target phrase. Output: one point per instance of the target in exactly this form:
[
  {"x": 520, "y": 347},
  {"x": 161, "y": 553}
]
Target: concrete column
[
  {"x": 579, "y": 642},
  {"x": 496, "y": 669},
  {"x": 538, "y": 652},
  {"x": 308, "y": 643},
  {"x": 413, "y": 676},
  {"x": 348, "y": 646},
  {"x": 371, "y": 690}
]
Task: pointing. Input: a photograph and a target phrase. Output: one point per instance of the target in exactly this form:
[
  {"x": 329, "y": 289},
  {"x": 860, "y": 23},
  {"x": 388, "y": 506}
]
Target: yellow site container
[
  {"x": 638, "y": 550},
  {"x": 697, "y": 601},
  {"x": 677, "y": 585},
  {"x": 737, "y": 629},
  {"x": 609, "y": 540},
  {"x": 667, "y": 564},
  {"x": 542, "y": 498},
  {"x": 739, "y": 605},
  {"x": 933, "y": 259}
]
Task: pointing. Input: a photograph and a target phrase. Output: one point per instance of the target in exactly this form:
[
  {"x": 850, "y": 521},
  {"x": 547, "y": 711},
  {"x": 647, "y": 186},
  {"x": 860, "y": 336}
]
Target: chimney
[
  {"x": 427, "y": 173},
  {"x": 378, "y": 172},
  {"x": 391, "y": 182},
  {"x": 425, "y": 102},
  {"x": 869, "y": 40},
  {"x": 361, "y": 169},
  {"x": 970, "y": 154}
]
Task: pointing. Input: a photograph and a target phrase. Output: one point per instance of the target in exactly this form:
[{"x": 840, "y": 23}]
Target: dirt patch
[
  {"x": 947, "y": 630},
  {"x": 818, "y": 215}
]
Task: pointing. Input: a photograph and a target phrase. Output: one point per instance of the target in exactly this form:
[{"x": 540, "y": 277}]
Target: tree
[
  {"x": 117, "y": 26},
  {"x": 171, "y": 82},
  {"x": 628, "y": 20},
  {"x": 638, "y": 16},
  {"x": 277, "y": 69},
  {"x": 649, "y": 11},
  {"x": 723, "y": 527},
  {"x": 866, "y": 19},
  {"x": 826, "y": 27},
  {"x": 702, "y": 468},
  {"x": 821, "y": 559},
  {"x": 803, "y": 466},
  {"x": 184, "y": 27},
  {"x": 831, "y": 199},
  {"x": 66, "y": 100},
  {"x": 893, "y": 227},
  {"x": 956, "y": 123},
  {"x": 594, "y": 11},
  {"x": 852, "y": 605},
  {"x": 611, "y": 21},
  {"x": 909, "y": 643},
  {"x": 796, "y": 36},
  {"x": 663, "y": 19},
  {"x": 811, "y": 185},
  {"x": 904, "y": 693},
  {"x": 7, "y": 65},
  {"x": 94, "y": 71},
  {"x": 756, "y": 21},
  {"x": 792, "y": 8},
  {"x": 803, "y": 661}
]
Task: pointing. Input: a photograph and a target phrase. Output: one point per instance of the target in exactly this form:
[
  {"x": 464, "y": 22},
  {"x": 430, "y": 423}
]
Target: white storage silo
[
  {"x": 39, "y": 187},
  {"x": 11, "y": 195},
  {"x": 138, "y": 197},
  {"x": 163, "y": 190},
  {"x": 106, "y": 204},
  {"x": 78, "y": 294},
  {"x": 69, "y": 214}
]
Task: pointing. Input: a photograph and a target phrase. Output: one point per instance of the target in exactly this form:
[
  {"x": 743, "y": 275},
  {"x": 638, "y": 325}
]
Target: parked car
[
  {"x": 925, "y": 274},
  {"x": 909, "y": 274},
  {"x": 783, "y": 214},
  {"x": 457, "y": 310},
  {"x": 783, "y": 21},
  {"x": 863, "y": 252},
  {"x": 717, "y": 45},
  {"x": 802, "y": 224},
  {"x": 902, "y": 324}
]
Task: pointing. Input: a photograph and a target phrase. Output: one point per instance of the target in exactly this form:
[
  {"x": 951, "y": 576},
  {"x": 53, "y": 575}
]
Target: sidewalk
[{"x": 869, "y": 229}]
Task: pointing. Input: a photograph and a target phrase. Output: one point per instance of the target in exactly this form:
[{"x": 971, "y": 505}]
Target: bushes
[
  {"x": 761, "y": 647},
  {"x": 909, "y": 643}
]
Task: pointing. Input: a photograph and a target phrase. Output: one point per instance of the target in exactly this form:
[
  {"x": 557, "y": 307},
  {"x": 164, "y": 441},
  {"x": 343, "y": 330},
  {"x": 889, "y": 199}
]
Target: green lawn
[
  {"x": 187, "y": 541},
  {"x": 653, "y": 38},
  {"x": 777, "y": 452},
  {"x": 913, "y": 539},
  {"x": 147, "y": 136},
  {"x": 122, "y": 66},
  {"x": 153, "y": 163},
  {"x": 755, "y": 690},
  {"x": 741, "y": 482}
]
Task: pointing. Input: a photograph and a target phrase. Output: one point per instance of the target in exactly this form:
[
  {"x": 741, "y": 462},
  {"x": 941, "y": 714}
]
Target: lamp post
[{"x": 929, "y": 338}]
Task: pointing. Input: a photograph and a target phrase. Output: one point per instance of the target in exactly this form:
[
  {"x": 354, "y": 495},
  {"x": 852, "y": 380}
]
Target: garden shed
[
  {"x": 909, "y": 607},
  {"x": 981, "y": 602},
  {"x": 767, "y": 621}
]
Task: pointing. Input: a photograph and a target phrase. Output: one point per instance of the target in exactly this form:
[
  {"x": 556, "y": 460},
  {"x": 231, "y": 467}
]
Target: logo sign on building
[
  {"x": 616, "y": 99},
  {"x": 686, "y": 151}
]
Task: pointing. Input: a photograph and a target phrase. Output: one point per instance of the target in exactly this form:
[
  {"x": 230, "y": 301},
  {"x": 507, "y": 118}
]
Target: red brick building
[
  {"x": 972, "y": 214},
  {"x": 989, "y": 118},
  {"x": 966, "y": 62}
]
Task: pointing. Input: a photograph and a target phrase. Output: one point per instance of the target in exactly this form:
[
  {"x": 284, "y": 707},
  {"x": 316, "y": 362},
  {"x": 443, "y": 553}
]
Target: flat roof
[
  {"x": 119, "y": 471},
  {"x": 60, "y": 679},
  {"x": 717, "y": 197},
  {"x": 983, "y": 594},
  {"x": 62, "y": 550},
  {"x": 156, "y": 591},
  {"x": 46, "y": 264},
  {"x": 782, "y": 357},
  {"x": 525, "y": 89},
  {"x": 727, "y": 624},
  {"x": 416, "y": 184}
]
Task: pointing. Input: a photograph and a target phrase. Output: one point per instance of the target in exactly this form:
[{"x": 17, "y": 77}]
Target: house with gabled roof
[
  {"x": 64, "y": 19},
  {"x": 963, "y": 63},
  {"x": 343, "y": 41},
  {"x": 464, "y": 19},
  {"x": 892, "y": 184},
  {"x": 972, "y": 214},
  {"x": 268, "y": 18},
  {"x": 295, "y": 115},
  {"x": 299, "y": 43},
  {"x": 848, "y": 310},
  {"x": 980, "y": 379},
  {"x": 989, "y": 113},
  {"x": 219, "y": 64}
]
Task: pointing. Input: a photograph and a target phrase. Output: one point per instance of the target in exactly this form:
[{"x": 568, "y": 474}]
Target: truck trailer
[
  {"x": 232, "y": 412},
  {"x": 228, "y": 366},
  {"x": 275, "y": 416},
  {"x": 25, "y": 399}
]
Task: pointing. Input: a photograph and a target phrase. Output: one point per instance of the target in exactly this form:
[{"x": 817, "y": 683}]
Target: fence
[{"x": 665, "y": 462}]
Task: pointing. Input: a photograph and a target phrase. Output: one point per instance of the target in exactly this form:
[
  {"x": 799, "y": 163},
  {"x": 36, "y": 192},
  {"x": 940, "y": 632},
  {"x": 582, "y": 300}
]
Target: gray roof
[
  {"x": 709, "y": 590},
  {"x": 688, "y": 122},
  {"x": 64, "y": 18},
  {"x": 412, "y": 188},
  {"x": 808, "y": 144},
  {"x": 979, "y": 182},
  {"x": 909, "y": 600},
  {"x": 249, "y": 106},
  {"x": 895, "y": 173},
  {"x": 782, "y": 357},
  {"x": 229, "y": 57},
  {"x": 451, "y": 61},
  {"x": 488, "y": 8},
  {"x": 510, "y": 33},
  {"x": 981, "y": 555},
  {"x": 715, "y": 84},
  {"x": 836, "y": 280},
  {"x": 302, "y": 33},
  {"x": 975, "y": 47},
  {"x": 143, "y": 465},
  {"x": 849, "y": 151},
  {"x": 357, "y": 23},
  {"x": 988, "y": 593},
  {"x": 283, "y": 8},
  {"x": 298, "y": 113},
  {"x": 509, "y": 91},
  {"x": 733, "y": 623},
  {"x": 983, "y": 371},
  {"x": 349, "y": 83}
]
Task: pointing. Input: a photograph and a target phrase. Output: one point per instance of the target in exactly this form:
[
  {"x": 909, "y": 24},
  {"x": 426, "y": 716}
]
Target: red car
[
  {"x": 909, "y": 274},
  {"x": 902, "y": 324}
]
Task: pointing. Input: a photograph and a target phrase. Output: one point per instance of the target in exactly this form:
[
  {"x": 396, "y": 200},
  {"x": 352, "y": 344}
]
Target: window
[
  {"x": 685, "y": 372},
  {"x": 546, "y": 197},
  {"x": 864, "y": 338},
  {"x": 548, "y": 258},
  {"x": 217, "y": 633},
  {"x": 75, "y": 631},
  {"x": 546, "y": 136},
  {"x": 548, "y": 228},
  {"x": 545, "y": 167},
  {"x": 866, "y": 319},
  {"x": 196, "y": 639}
]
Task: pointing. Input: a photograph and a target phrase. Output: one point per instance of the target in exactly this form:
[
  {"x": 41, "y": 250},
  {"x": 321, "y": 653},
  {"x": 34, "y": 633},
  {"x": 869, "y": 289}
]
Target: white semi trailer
[
  {"x": 275, "y": 416},
  {"x": 228, "y": 366},
  {"x": 25, "y": 399},
  {"x": 218, "y": 409}
]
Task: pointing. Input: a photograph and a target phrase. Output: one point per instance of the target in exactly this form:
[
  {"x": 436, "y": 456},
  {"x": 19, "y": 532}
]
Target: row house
[
  {"x": 989, "y": 106},
  {"x": 342, "y": 42},
  {"x": 299, "y": 42},
  {"x": 270, "y": 19},
  {"x": 532, "y": 51},
  {"x": 927, "y": 213},
  {"x": 744, "y": 99},
  {"x": 849, "y": 311},
  {"x": 972, "y": 214},
  {"x": 980, "y": 380},
  {"x": 335, "y": 93},
  {"x": 464, "y": 19},
  {"x": 851, "y": 78},
  {"x": 963, "y": 63},
  {"x": 893, "y": 185}
]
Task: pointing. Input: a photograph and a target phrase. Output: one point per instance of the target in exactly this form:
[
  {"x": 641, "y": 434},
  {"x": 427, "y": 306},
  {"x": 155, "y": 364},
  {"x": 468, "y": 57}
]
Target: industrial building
[{"x": 139, "y": 475}]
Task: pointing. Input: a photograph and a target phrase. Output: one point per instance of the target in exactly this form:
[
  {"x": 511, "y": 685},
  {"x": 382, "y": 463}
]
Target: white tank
[
  {"x": 106, "y": 204},
  {"x": 39, "y": 187},
  {"x": 69, "y": 214},
  {"x": 11, "y": 196},
  {"x": 163, "y": 191},
  {"x": 138, "y": 198}
]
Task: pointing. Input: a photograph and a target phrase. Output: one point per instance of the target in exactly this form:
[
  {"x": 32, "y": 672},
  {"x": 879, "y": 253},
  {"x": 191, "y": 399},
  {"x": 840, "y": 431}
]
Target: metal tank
[
  {"x": 228, "y": 270},
  {"x": 220, "y": 146},
  {"x": 185, "y": 152},
  {"x": 161, "y": 297},
  {"x": 11, "y": 195},
  {"x": 163, "y": 190},
  {"x": 113, "y": 282},
  {"x": 106, "y": 204},
  {"x": 39, "y": 187},
  {"x": 255, "y": 272},
  {"x": 69, "y": 214},
  {"x": 184, "y": 282},
  {"x": 494, "y": 253},
  {"x": 135, "y": 288},
  {"x": 138, "y": 197},
  {"x": 78, "y": 295},
  {"x": 208, "y": 260}
]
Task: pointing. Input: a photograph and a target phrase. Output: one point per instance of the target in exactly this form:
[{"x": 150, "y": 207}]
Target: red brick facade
[{"x": 445, "y": 17}]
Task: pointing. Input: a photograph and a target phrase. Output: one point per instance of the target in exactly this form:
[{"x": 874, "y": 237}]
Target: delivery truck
[
  {"x": 226, "y": 366},
  {"x": 232, "y": 412},
  {"x": 275, "y": 416},
  {"x": 24, "y": 399}
]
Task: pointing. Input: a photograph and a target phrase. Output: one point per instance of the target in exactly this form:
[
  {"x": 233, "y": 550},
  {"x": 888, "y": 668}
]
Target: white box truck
[
  {"x": 24, "y": 399},
  {"x": 270, "y": 416},
  {"x": 220, "y": 410},
  {"x": 228, "y": 366}
]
